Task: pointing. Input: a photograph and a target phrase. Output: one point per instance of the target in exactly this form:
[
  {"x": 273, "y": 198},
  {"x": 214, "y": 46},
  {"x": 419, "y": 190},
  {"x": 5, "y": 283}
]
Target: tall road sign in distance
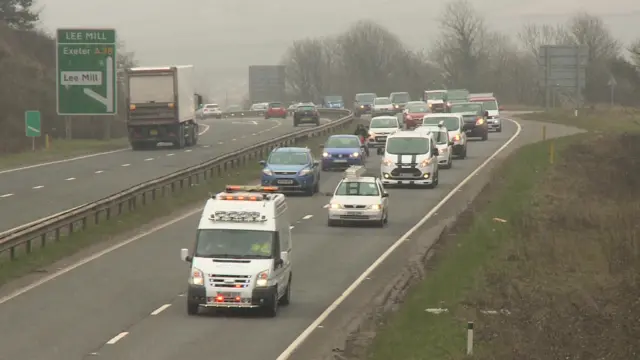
[
  {"x": 563, "y": 67},
  {"x": 86, "y": 72}
]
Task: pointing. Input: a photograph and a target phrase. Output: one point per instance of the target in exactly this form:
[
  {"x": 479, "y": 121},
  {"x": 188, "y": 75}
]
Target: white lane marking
[
  {"x": 125, "y": 165},
  {"x": 206, "y": 146},
  {"x": 99, "y": 171},
  {"x": 148, "y": 159},
  {"x": 326, "y": 206},
  {"x": 62, "y": 161},
  {"x": 278, "y": 123},
  {"x": 307, "y": 217},
  {"x": 291, "y": 227},
  {"x": 69, "y": 179},
  {"x": 254, "y": 134},
  {"x": 117, "y": 338},
  {"x": 233, "y": 139},
  {"x": 38, "y": 187},
  {"x": 254, "y": 122},
  {"x": 317, "y": 322},
  {"x": 220, "y": 143},
  {"x": 95, "y": 256},
  {"x": 160, "y": 309},
  {"x": 170, "y": 154},
  {"x": 5, "y": 195},
  {"x": 188, "y": 150},
  {"x": 205, "y": 130}
]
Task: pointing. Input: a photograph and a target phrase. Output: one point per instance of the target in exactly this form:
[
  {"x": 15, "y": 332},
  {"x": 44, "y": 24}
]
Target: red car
[
  {"x": 276, "y": 109},
  {"x": 413, "y": 115}
]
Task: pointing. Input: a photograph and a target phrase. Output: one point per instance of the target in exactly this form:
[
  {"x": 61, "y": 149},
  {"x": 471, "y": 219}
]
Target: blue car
[
  {"x": 292, "y": 169},
  {"x": 333, "y": 102},
  {"x": 342, "y": 151}
]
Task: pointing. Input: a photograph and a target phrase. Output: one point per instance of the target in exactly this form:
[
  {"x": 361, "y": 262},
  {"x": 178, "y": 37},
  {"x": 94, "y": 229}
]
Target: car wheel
[
  {"x": 331, "y": 223},
  {"x": 271, "y": 307},
  {"x": 485, "y": 136}
]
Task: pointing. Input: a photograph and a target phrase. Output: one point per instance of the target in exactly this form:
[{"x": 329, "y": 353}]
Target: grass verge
[
  {"x": 602, "y": 119},
  {"x": 412, "y": 332},
  {"x": 106, "y": 230},
  {"x": 59, "y": 150}
]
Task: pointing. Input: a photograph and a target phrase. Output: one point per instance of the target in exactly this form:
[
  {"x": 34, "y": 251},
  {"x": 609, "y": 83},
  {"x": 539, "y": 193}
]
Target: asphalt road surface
[
  {"x": 129, "y": 304},
  {"x": 36, "y": 192}
]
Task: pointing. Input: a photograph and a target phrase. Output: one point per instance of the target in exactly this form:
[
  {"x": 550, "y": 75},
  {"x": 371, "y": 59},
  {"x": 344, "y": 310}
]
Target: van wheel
[
  {"x": 271, "y": 308},
  {"x": 192, "y": 308},
  {"x": 485, "y": 136},
  {"x": 286, "y": 299}
]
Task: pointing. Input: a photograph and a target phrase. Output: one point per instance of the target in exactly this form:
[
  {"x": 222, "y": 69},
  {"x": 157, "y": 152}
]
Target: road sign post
[
  {"x": 32, "y": 126},
  {"x": 86, "y": 72}
]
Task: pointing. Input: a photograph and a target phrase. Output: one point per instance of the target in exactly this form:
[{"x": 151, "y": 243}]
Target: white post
[
  {"x": 575, "y": 113},
  {"x": 470, "y": 338},
  {"x": 33, "y": 143}
]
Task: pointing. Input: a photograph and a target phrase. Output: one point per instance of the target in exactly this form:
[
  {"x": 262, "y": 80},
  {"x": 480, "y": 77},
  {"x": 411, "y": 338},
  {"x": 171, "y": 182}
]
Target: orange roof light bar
[{"x": 249, "y": 188}]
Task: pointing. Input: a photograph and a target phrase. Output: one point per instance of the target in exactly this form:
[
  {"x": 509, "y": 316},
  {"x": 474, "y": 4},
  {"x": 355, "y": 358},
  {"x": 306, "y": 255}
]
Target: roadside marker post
[
  {"x": 32, "y": 126},
  {"x": 470, "y": 338}
]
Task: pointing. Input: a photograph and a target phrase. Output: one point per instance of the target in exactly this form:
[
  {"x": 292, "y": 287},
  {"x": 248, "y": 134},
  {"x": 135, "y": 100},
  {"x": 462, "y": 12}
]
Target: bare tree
[
  {"x": 588, "y": 30},
  {"x": 307, "y": 68},
  {"x": 533, "y": 36},
  {"x": 459, "y": 49},
  {"x": 634, "y": 51}
]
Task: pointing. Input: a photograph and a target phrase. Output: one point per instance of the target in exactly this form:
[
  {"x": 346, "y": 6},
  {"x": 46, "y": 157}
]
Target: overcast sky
[{"x": 222, "y": 38}]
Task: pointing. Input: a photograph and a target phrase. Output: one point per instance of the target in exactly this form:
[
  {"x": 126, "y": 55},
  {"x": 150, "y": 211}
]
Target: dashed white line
[
  {"x": 233, "y": 139},
  {"x": 5, "y": 195},
  {"x": 326, "y": 206},
  {"x": 125, "y": 165},
  {"x": 254, "y": 134},
  {"x": 205, "y": 130},
  {"x": 206, "y": 146},
  {"x": 220, "y": 143},
  {"x": 160, "y": 309},
  {"x": 188, "y": 150},
  {"x": 69, "y": 179},
  {"x": 117, "y": 338},
  {"x": 148, "y": 159},
  {"x": 170, "y": 154},
  {"x": 99, "y": 172},
  {"x": 38, "y": 187},
  {"x": 307, "y": 217},
  {"x": 291, "y": 227}
]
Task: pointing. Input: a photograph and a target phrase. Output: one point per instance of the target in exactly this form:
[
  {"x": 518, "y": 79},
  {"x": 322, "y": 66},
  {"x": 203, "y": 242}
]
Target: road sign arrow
[{"x": 108, "y": 100}]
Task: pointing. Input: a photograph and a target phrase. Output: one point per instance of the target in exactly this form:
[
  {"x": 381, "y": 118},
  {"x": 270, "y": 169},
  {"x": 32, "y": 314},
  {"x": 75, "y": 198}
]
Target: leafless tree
[
  {"x": 307, "y": 68},
  {"x": 589, "y": 30},
  {"x": 634, "y": 51},
  {"x": 533, "y": 36}
]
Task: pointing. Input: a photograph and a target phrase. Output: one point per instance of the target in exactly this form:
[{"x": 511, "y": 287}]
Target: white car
[
  {"x": 379, "y": 128},
  {"x": 410, "y": 158},
  {"x": 211, "y": 110},
  {"x": 382, "y": 106},
  {"x": 358, "y": 198},
  {"x": 259, "y": 107},
  {"x": 454, "y": 124},
  {"x": 443, "y": 143}
]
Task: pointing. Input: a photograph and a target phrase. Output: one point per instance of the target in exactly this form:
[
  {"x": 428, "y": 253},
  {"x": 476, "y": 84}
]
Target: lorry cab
[
  {"x": 242, "y": 253},
  {"x": 410, "y": 158}
]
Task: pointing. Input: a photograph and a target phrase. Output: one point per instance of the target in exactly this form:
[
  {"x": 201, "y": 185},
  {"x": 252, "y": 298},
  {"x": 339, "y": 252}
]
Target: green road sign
[
  {"x": 32, "y": 124},
  {"x": 86, "y": 72}
]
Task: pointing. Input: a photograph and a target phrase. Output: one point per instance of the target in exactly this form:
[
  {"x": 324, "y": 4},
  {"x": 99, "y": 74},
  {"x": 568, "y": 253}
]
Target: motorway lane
[
  {"x": 116, "y": 293},
  {"x": 58, "y": 187}
]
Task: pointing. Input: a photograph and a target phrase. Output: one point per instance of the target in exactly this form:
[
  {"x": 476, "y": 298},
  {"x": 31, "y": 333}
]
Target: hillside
[{"x": 27, "y": 65}]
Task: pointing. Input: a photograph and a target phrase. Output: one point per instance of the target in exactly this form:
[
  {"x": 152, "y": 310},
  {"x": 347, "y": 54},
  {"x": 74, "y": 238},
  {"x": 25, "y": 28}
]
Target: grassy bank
[
  {"x": 552, "y": 248},
  {"x": 60, "y": 149},
  {"x": 108, "y": 230},
  {"x": 603, "y": 119}
]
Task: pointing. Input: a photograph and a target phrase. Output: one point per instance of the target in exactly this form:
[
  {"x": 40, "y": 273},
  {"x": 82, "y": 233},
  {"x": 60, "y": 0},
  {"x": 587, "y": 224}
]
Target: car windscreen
[
  {"x": 342, "y": 143},
  {"x": 417, "y": 109},
  {"x": 450, "y": 122},
  {"x": 460, "y": 108},
  {"x": 408, "y": 145},
  {"x": 357, "y": 188},
  {"x": 487, "y": 104},
  {"x": 383, "y": 123},
  {"x": 235, "y": 243},
  {"x": 382, "y": 101},
  {"x": 435, "y": 95},
  {"x": 366, "y": 98},
  {"x": 400, "y": 98},
  {"x": 288, "y": 158}
]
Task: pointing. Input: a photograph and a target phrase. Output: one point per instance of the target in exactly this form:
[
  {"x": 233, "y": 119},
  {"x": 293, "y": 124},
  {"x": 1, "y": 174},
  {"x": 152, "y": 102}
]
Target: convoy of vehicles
[
  {"x": 291, "y": 169},
  {"x": 306, "y": 114},
  {"x": 162, "y": 106}
]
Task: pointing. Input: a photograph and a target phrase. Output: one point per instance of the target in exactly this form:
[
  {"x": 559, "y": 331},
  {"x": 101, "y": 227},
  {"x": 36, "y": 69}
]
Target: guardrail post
[
  {"x": 28, "y": 246},
  {"x": 144, "y": 198},
  {"x": 107, "y": 214},
  {"x": 96, "y": 218},
  {"x": 71, "y": 226},
  {"x": 12, "y": 253},
  {"x": 43, "y": 240},
  {"x": 119, "y": 208},
  {"x": 84, "y": 222}
]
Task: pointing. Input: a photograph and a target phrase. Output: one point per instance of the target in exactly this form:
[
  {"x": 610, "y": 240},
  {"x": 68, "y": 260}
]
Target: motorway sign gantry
[
  {"x": 86, "y": 72},
  {"x": 32, "y": 124}
]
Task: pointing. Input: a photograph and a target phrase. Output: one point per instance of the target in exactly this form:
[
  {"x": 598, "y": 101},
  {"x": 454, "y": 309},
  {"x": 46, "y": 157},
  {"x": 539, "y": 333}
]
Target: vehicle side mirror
[
  {"x": 284, "y": 255},
  {"x": 263, "y": 162},
  {"x": 450, "y": 143},
  {"x": 278, "y": 263},
  {"x": 184, "y": 255},
  {"x": 385, "y": 194},
  {"x": 436, "y": 152},
  {"x": 486, "y": 113}
]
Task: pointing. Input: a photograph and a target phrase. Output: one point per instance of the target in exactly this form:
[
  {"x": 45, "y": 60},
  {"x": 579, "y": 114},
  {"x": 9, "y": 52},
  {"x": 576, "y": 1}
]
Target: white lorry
[{"x": 161, "y": 106}]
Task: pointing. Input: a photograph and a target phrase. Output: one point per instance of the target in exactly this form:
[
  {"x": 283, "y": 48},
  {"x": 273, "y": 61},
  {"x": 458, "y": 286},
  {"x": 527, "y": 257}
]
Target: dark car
[
  {"x": 363, "y": 103},
  {"x": 475, "y": 118},
  {"x": 306, "y": 114}
]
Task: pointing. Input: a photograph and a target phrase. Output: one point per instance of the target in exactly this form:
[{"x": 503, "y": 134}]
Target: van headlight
[
  {"x": 325, "y": 154},
  {"x": 387, "y": 162},
  {"x": 262, "y": 278},
  {"x": 335, "y": 206},
  {"x": 375, "y": 207},
  {"x": 196, "y": 277},
  {"x": 425, "y": 163},
  {"x": 355, "y": 154}
]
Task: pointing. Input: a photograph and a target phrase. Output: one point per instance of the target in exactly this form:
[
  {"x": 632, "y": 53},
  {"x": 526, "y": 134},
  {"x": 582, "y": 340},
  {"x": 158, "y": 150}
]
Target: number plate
[
  {"x": 285, "y": 181},
  {"x": 354, "y": 213},
  {"x": 406, "y": 175},
  {"x": 153, "y": 132},
  {"x": 340, "y": 161}
]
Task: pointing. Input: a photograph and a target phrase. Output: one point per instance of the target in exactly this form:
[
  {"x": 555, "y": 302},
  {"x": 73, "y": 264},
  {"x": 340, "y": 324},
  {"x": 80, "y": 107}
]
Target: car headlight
[
  {"x": 267, "y": 172},
  {"x": 335, "y": 206},
  {"x": 196, "y": 277},
  {"x": 262, "y": 279},
  {"x": 325, "y": 154},
  {"x": 355, "y": 154},
  {"x": 375, "y": 207},
  {"x": 304, "y": 172},
  {"x": 425, "y": 163},
  {"x": 361, "y": 106},
  {"x": 480, "y": 121},
  {"x": 387, "y": 162}
]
